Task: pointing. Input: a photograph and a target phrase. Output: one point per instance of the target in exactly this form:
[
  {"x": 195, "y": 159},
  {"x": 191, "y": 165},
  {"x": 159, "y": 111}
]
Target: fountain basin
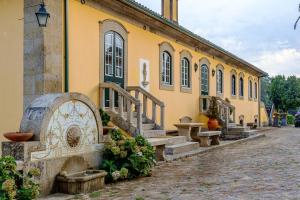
[{"x": 81, "y": 183}]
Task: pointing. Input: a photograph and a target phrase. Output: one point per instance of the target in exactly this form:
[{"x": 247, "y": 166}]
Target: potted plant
[
  {"x": 105, "y": 120},
  {"x": 213, "y": 115}
]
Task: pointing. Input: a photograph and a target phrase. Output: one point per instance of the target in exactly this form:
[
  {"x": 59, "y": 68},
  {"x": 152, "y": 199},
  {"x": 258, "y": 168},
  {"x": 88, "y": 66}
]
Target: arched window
[
  {"x": 114, "y": 55},
  {"x": 250, "y": 89},
  {"x": 241, "y": 86},
  {"x": 204, "y": 80},
  {"x": 255, "y": 90},
  {"x": 166, "y": 68},
  {"x": 220, "y": 78},
  {"x": 185, "y": 73},
  {"x": 233, "y": 85}
]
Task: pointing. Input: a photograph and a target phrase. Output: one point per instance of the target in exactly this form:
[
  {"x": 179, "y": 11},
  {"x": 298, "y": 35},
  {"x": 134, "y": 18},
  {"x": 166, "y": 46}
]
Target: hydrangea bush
[
  {"x": 127, "y": 158},
  {"x": 14, "y": 185}
]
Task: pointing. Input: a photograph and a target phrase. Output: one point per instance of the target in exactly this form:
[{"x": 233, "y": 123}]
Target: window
[
  {"x": 241, "y": 86},
  {"x": 185, "y": 73},
  {"x": 109, "y": 54},
  {"x": 166, "y": 65},
  {"x": 250, "y": 89},
  {"x": 204, "y": 80},
  {"x": 114, "y": 54},
  {"x": 220, "y": 81},
  {"x": 233, "y": 85},
  {"x": 166, "y": 68},
  {"x": 255, "y": 90}
]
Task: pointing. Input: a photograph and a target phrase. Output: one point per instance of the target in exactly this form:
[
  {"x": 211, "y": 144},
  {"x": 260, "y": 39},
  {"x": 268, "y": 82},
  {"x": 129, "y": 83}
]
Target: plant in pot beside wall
[
  {"x": 105, "y": 122},
  {"x": 213, "y": 115}
]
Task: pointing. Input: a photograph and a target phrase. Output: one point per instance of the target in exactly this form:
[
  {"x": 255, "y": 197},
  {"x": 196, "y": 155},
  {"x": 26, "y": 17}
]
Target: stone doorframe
[{"x": 104, "y": 27}]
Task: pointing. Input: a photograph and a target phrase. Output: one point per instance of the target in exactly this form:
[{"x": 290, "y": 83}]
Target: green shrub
[
  {"x": 125, "y": 158},
  {"x": 213, "y": 111},
  {"x": 14, "y": 185},
  {"x": 104, "y": 117},
  {"x": 290, "y": 119}
]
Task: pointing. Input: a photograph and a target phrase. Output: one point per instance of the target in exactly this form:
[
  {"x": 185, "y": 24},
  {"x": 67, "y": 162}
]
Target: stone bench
[
  {"x": 204, "y": 137},
  {"x": 252, "y": 125}
]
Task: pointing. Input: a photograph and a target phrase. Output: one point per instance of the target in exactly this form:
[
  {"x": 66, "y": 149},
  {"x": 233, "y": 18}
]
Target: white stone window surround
[
  {"x": 166, "y": 74},
  {"x": 204, "y": 64},
  {"x": 233, "y": 83},
  {"x": 115, "y": 26},
  {"x": 186, "y": 71},
  {"x": 220, "y": 80},
  {"x": 241, "y": 85},
  {"x": 250, "y": 88}
]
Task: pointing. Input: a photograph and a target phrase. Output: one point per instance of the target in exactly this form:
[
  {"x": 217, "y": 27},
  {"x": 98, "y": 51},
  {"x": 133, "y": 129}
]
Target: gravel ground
[{"x": 267, "y": 168}]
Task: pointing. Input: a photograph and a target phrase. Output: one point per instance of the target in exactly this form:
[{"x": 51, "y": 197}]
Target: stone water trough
[
  {"x": 67, "y": 144},
  {"x": 82, "y": 182}
]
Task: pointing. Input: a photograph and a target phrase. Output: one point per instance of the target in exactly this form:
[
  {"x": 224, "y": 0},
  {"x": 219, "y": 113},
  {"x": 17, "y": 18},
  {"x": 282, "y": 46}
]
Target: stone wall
[{"x": 43, "y": 51}]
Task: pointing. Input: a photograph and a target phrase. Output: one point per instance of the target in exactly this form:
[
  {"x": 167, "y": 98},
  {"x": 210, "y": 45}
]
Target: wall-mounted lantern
[
  {"x": 213, "y": 72},
  {"x": 195, "y": 67},
  {"x": 42, "y": 15}
]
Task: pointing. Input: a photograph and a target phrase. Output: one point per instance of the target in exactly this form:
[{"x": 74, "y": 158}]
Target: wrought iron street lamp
[{"x": 42, "y": 15}]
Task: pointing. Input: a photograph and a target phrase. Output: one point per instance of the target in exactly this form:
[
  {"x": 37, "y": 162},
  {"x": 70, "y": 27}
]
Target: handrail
[
  {"x": 155, "y": 102},
  {"x": 120, "y": 90},
  {"x": 224, "y": 108},
  {"x": 143, "y": 91},
  {"x": 124, "y": 103}
]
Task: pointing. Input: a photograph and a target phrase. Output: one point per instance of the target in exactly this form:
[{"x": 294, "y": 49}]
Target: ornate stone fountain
[{"x": 67, "y": 138}]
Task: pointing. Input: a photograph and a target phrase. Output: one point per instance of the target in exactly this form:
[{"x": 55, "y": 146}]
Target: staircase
[
  {"x": 131, "y": 112},
  {"x": 235, "y": 132}
]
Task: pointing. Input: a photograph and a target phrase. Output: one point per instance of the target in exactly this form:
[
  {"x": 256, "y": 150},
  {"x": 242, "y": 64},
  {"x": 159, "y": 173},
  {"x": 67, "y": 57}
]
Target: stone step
[
  {"x": 239, "y": 135},
  {"x": 166, "y": 140},
  {"x": 181, "y": 148},
  {"x": 209, "y": 133},
  {"x": 154, "y": 133},
  {"x": 238, "y": 129},
  {"x": 148, "y": 126},
  {"x": 176, "y": 140}
]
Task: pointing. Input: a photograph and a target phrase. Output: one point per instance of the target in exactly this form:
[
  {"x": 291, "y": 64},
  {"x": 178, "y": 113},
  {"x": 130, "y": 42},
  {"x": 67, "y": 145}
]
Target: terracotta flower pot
[
  {"x": 106, "y": 129},
  {"x": 213, "y": 124},
  {"x": 18, "y": 136}
]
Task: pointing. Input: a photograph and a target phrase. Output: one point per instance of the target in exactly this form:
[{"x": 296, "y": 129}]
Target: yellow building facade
[{"x": 178, "y": 67}]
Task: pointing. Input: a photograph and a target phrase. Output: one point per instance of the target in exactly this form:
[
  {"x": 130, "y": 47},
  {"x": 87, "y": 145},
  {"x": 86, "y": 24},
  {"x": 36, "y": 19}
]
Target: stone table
[{"x": 189, "y": 129}]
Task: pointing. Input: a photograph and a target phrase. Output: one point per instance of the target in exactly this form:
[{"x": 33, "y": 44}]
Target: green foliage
[
  {"x": 13, "y": 185},
  {"x": 213, "y": 111},
  {"x": 127, "y": 158},
  {"x": 290, "y": 119},
  {"x": 104, "y": 117},
  {"x": 285, "y": 92},
  {"x": 265, "y": 91}
]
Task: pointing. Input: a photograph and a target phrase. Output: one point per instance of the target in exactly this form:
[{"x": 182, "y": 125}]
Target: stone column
[{"x": 43, "y": 50}]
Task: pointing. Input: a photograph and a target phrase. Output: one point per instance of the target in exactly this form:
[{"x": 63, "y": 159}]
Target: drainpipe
[
  {"x": 259, "y": 100},
  {"x": 66, "y": 41}
]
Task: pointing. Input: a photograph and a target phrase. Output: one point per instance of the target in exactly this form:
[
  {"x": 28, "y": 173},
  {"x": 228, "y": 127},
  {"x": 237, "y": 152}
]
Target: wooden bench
[{"x": 204, "y": 138}]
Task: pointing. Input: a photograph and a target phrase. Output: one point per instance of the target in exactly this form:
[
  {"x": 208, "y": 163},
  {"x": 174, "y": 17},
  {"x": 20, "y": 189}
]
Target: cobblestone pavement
[{"x": 267, "y": 168}]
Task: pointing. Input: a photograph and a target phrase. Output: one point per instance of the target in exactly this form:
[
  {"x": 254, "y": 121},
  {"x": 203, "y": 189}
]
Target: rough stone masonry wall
[{"x": 43, "y": 50}]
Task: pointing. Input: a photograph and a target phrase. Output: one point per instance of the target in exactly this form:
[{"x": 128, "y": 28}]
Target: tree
[
  {"x": 265, "y": 91},
  {"x": 277, "y": 92},
  {"x": 284, "y": 93},
  {"x": 292, "y": 87}
]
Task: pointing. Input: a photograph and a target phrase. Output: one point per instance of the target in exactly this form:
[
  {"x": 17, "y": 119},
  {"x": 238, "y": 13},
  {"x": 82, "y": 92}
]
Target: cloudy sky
[{"x": 259, "y": 31}]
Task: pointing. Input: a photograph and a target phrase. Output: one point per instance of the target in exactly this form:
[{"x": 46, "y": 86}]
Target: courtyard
[{"x": 267, "y": 168}]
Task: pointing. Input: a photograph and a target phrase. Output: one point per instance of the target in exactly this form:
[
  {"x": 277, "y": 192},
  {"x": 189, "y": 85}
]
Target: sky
[{"x": 259, "y": 31}]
